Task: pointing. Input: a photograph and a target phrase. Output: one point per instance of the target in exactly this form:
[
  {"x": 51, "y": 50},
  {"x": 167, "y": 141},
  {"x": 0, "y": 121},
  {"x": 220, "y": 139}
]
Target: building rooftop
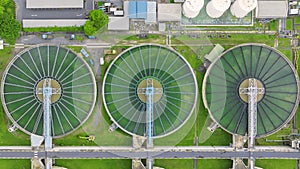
[
  {"x": 169, "y": 12},
  {"x": 54, "y": 4},
  {"x": 272, "y": 9},
  {"x": 138, "y": 9},
  {"x": 151, "y": 12},
  {"x": 118, "y": 23}
]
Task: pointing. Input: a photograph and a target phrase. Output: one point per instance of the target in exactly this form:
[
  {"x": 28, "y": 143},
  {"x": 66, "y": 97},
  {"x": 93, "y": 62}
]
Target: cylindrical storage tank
[
  {"x": 191, "y": 8},
  {"x": 216, "y": 8},
  {"x": 240, "y": 8}
]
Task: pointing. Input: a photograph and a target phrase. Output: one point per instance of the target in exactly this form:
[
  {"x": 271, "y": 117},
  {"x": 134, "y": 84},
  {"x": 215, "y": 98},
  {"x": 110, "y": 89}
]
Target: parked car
[
  {"x": 70, "y": 36},
  {"x": 101, "y": 61},
  {"x": 47, "y": 36},
  {"x": 91, "y": 37}
]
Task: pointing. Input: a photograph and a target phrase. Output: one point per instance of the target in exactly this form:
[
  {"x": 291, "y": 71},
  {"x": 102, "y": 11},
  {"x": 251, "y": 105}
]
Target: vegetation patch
[
  {"x": 55, "y": 29},
  {"x": 94, "y": 163},
  {"x": 276, "y": 164},
  {"x": 9, "y": 27},
  {"x": 15, "y": 164},
  {"x": 98, "y": 20}
]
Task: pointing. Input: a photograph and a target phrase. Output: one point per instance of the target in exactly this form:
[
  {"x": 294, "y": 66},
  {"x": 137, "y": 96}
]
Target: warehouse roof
[
  {"x": 151, "y": 12},
  {"x": 272, "y": 9},
  {"x": 118, "y": 23},
  {"x": 54, "y": 4},
  {"x": 169, "y": 12},
  {"x": 138, "y": 9}
]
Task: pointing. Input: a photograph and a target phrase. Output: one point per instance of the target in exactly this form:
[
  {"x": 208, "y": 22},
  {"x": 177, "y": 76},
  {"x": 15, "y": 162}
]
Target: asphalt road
[{"x": 150, "y": 154}]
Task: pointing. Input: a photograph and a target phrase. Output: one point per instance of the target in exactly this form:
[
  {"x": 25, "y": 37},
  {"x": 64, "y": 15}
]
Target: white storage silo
[
  {"x": 216, "y": 8},
  {"x": 240, "y": 8},
  {"x": 191, "y": 8}
]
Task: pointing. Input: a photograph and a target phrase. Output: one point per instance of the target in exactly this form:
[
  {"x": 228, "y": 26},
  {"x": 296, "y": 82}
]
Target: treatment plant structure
[
  {"x": 48, "y": 91},
  {"x": 149, "y": 91}
]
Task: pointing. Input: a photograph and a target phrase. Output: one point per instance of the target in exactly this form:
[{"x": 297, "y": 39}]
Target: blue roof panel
[
  {"x": 132, "y": 9},
  {"x": 142, "y": 9}
]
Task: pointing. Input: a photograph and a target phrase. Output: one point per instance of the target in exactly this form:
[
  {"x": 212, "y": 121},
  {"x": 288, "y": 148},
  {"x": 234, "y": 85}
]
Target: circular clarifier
[
  {"x": 149, "y": 69},
  {"x": 276, "y": 84},
  {"x": 73, "y": 89}
]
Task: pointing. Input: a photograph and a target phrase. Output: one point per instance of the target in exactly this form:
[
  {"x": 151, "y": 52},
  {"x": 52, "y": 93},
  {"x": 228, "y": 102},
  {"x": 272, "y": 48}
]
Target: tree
[
  {"x": 9, "y": 28},
  {"x": 89, "y": 28},
  {"x": 3, "y": 4},
  {"x": 98, "y": 19}
]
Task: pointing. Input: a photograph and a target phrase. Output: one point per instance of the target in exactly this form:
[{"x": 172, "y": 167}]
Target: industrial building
[
  {"x": 169, "y": 12},
  {"x": 45, "y": 4},
  {"x": 118, "y": 23},
  {"x": 271, "y": 9}
]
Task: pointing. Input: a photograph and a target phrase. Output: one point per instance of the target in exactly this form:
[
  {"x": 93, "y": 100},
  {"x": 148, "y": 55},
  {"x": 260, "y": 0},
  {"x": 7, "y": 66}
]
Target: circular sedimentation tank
[
  {"x": 273, "y": 73},
  {"x": 73, "y": 83},
  {"x": 172, "y": 79}
]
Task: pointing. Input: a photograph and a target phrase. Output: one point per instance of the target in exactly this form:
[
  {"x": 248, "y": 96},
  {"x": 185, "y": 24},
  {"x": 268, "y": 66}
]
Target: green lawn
[
  {"x": 213, "y": 164},
  {"x": 55, "y": 29},
  {"x": 289, "y": 24},
  {"x": 276, "y": 136},
  {"x": 94, "y": 164},
  {"x": 237, "y": 39},
  {"x": 76, "y": 49},
  {"x": 189, "y": 163},
  {"x": 5, "y": 56},
  {"x": 14, "y": 164},
  {"x": 297, "y": 19},
  {"x": 273, "y": 25},
  {"x": 174, "y": 163},
  {"x": 276, "y": 164}
]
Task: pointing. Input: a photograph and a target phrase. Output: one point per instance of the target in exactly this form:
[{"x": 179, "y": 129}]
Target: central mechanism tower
[{"x": 150, "y": 91}]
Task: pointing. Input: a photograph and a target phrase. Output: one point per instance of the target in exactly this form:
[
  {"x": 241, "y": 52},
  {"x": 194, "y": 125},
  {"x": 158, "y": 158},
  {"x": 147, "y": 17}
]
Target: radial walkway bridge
[
  {"x": 149, "y": 91},
  {"x": 252, "y": 91},
  {"x": 46, "y": 91}
]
